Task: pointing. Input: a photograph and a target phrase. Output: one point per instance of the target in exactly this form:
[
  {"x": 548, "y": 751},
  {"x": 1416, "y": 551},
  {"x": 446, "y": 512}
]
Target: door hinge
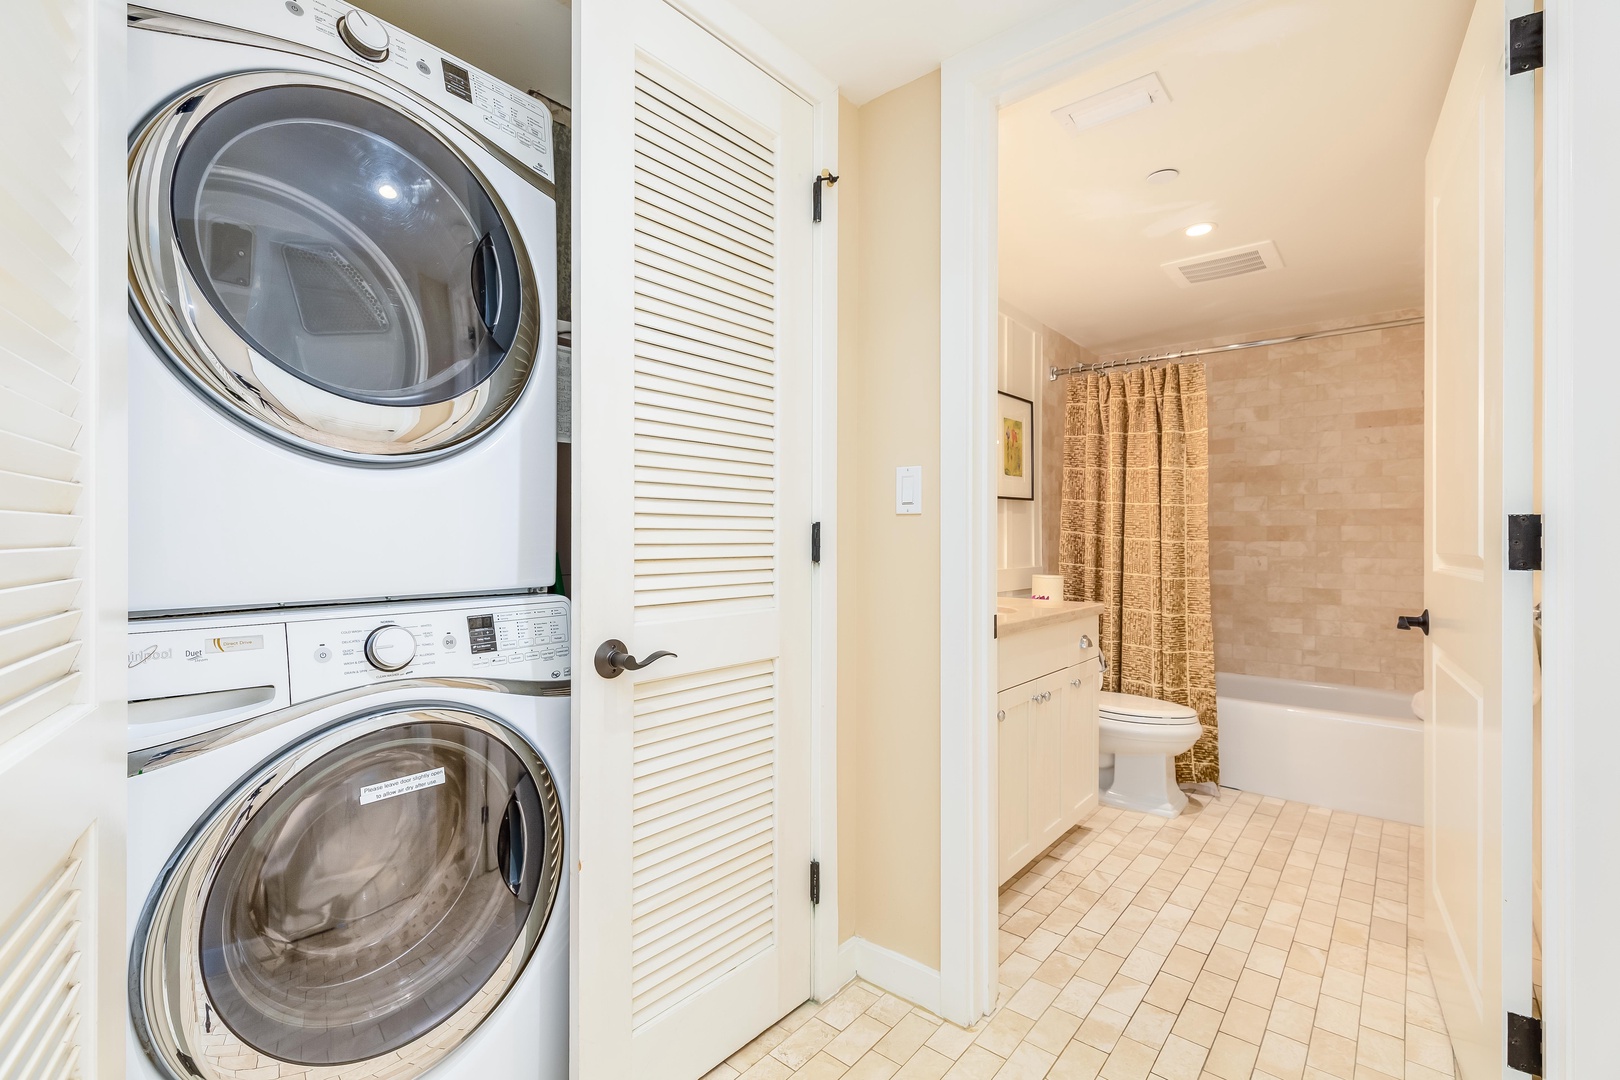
[
  {"x": 1524, "y": 43},
  {"x": 1524, "y": 541},
  {"x": 1524, "y": 1044},
  {"x": 827, "y": 178},
  {"x": 815, "y": 881},
  {"x": 815, "y": 541}
]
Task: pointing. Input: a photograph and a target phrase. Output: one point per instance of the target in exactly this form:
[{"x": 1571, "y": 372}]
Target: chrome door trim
[
  {"x": 168, "y": 1002},
  {"x": 152, "y": 758},
  {"x": 251, "y": 388},
  {"x": 162, "y": 22}
]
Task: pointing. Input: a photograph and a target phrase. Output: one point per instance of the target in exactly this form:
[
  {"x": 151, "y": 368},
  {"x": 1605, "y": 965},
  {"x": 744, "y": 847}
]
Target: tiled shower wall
[{"x": 1316, "y": 506}]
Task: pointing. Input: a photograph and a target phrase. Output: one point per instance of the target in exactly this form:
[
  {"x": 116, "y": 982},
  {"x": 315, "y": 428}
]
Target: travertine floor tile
[{"x": 1248, "y": 939}]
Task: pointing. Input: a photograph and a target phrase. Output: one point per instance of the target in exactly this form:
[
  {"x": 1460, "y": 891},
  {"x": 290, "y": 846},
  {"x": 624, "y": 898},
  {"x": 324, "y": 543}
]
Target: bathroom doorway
[{"x": 1273, "y": 242}]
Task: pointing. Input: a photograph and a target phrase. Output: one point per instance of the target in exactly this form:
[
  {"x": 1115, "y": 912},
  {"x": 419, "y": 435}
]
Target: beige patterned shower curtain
[{"x": 1135, "y": 536}]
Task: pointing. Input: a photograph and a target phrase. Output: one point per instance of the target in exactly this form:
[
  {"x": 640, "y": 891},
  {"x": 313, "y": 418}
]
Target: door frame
[
  {"x": 1580, "y": 166},
  {"x": 741, "y": 33}
]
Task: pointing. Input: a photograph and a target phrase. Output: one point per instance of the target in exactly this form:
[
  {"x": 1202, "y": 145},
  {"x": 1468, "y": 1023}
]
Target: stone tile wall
[{"x": 1316, "y": 506}]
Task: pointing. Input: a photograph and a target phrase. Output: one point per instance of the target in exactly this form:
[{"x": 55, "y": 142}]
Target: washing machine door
[
  {"x": 329, "y": 269},
  {"x": 363, "y": 900}
]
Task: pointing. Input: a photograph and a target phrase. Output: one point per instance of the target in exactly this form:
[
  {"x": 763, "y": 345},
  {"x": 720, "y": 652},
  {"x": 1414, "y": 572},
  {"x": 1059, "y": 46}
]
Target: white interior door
[
  {"x": 61, "y": 544},
  {"x": 1478, "y": 399},
  {"x": 692, "y": 457}
]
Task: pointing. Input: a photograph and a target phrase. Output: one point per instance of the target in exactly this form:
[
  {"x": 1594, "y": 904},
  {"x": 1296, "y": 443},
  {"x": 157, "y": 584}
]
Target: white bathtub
[{"x": 1334, "y": 746}]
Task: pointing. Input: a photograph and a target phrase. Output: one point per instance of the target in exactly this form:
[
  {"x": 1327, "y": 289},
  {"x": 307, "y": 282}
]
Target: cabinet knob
[
  {"x": 1085, "y": 641},
  {"x": 1074, "y": 682},
  {"x": 1001, "y": 714}
]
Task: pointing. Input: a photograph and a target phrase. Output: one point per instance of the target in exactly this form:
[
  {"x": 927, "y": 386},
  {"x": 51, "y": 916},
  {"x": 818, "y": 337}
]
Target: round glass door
[
  {"x": 328, "y": 268},
  {"x": 381, "y": 891}
]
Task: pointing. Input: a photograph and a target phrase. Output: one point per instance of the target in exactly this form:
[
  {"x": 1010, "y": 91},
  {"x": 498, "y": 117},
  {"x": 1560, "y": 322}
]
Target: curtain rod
[{"x": 1159, "y": 358}]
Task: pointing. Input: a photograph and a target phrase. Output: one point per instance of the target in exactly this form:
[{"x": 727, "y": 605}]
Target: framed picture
[{"x": 1016, "y": 462}]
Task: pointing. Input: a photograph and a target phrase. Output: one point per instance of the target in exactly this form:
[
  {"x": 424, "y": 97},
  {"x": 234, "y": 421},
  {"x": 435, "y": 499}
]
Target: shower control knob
[
  {"x": 366, "y": 34},
  {"x": 390, "y": 647}
]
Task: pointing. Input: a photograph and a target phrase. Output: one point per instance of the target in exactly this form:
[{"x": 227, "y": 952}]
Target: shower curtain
[{"x": 1135, "y": 536}]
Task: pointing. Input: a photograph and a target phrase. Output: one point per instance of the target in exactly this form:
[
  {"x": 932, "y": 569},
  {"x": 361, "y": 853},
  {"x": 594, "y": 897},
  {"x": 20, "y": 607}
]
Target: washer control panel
[
  {"x": 524, "y": 639},
  {"x": 516, "y": 122}
]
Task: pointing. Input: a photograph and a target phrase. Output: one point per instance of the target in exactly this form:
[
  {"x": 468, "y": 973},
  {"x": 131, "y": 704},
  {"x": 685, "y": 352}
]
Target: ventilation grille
[
  {"x": 705, "y": 371},
  {"x": 703, "y": 863},
  {"x": 39, "y": 985},
  {"x": 1234, "y": 262}
]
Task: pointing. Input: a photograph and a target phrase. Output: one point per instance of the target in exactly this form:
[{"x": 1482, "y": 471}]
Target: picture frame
[{"x": 1015, "y": 458}]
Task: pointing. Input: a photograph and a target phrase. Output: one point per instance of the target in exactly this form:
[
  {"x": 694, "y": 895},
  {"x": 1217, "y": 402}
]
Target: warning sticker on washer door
[{"x": 401, "y": 785}]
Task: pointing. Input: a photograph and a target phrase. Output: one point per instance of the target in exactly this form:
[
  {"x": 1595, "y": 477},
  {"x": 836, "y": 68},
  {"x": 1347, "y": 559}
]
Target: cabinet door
[
  {"x": 1046, "y": 810},
  {"x": 1080, "y": 696},
  {"x": 1013, "y": 709}
]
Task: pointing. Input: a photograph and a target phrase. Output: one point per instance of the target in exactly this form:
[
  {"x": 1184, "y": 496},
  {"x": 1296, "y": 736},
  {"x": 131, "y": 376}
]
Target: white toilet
[{"x": 1140, "y": 738}]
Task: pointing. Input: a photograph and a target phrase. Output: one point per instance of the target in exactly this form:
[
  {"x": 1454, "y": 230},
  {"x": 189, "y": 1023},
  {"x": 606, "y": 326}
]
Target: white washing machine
[
  {"x": 342, "y": 342},
  {"x": 348, "y": 843}
]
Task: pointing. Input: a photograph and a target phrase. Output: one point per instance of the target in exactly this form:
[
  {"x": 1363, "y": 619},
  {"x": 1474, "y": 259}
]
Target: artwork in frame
[{"x": 1015, "y": 476}]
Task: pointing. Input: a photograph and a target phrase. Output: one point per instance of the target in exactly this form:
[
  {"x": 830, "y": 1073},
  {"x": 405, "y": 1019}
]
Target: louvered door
[
  {"x": 692, "y": 448},
  {"x": 61, "y": 718}
]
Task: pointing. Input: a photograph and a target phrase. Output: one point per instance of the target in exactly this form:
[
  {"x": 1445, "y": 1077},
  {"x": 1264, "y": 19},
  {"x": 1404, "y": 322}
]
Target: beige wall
[
  {"x": 888, "y": 372},
  {"x": 1316, "y": 506}
]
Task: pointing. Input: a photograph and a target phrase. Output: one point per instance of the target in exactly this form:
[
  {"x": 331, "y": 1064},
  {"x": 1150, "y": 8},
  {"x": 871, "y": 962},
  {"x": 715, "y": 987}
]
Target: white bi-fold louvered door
[
  {"x": 693, "y": 418},
  {"x": 61, "y": 618}
]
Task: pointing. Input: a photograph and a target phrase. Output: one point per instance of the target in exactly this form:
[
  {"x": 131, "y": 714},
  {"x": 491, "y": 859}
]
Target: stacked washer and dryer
[{"x": 349, "y": 724}]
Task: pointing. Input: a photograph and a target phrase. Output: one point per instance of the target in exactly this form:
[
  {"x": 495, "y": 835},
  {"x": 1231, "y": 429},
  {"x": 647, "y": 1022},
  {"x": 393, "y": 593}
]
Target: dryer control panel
[
  {"x": 499, "y": 639},
  {"x": 511, "y": 119}
]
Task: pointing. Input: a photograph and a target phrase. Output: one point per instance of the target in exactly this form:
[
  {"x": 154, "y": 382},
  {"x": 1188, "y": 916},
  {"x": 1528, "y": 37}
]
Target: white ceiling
[
  {"x": 527, "y": 43},
  {"x": 1302, "y": 122},
  {"x": 869, "y": 47}
]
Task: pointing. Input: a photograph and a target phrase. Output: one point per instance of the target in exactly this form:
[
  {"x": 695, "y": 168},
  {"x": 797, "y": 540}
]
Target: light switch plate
[{"x": 908, "y": 489}]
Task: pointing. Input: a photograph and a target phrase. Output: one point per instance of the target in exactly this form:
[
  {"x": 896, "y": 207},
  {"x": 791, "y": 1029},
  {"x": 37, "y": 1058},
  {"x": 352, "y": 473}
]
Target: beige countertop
[{"x": 1015, "y": 613}]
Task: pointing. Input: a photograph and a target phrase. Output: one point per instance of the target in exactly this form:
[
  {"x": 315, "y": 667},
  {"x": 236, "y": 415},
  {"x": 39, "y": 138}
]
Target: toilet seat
[{"x": 1136, "y": 709}]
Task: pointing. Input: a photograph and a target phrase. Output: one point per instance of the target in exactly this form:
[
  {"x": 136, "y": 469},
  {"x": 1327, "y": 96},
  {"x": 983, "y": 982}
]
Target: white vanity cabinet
[{"x": 1046, "y": 720}]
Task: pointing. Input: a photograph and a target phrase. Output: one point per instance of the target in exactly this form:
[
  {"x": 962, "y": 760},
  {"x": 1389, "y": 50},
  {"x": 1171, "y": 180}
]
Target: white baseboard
[{"x": 899, "y": 975}]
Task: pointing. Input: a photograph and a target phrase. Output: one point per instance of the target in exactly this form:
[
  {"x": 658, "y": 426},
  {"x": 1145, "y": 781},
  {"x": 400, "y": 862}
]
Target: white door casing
[
  {"x": 1478, "y": 419},
  {"x": 694, "y": 453},
  {"x": 62, "y": 584}
]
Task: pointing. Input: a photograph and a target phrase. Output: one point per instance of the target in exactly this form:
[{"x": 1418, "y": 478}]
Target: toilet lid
[{"x": 1135, "y": 709}]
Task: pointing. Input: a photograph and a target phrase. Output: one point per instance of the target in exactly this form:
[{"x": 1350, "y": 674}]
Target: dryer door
[
  {"x": 328, "y": 269},
  {"x": 368, "y": 895}
]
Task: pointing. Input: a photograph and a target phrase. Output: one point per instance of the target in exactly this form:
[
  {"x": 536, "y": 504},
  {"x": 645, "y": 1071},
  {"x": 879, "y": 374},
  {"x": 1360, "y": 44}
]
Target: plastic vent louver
[{"x": 1233, "y": 262}]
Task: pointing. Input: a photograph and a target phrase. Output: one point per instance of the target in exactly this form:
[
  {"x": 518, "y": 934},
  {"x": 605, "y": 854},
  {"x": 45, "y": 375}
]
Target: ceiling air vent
[
  {"x": 1233, "y": 262},
  {"x": 1113, "y": 103}
]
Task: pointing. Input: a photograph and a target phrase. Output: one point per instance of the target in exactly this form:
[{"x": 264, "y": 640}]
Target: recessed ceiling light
[
  {"x": 1203, "y": 228},
  {"x": 1163, "y": 176}
]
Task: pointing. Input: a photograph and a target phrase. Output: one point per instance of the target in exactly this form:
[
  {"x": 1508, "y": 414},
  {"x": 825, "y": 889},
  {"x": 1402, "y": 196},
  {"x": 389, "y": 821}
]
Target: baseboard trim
[{"x": 899, "y": 975}]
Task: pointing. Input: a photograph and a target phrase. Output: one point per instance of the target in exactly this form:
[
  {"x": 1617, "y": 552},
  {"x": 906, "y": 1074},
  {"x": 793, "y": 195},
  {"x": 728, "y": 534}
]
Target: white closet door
[
  {"x": 1478, "y": 400},
  {"x": 61, "y": 749},
  {"x": 692, "y": 444}
]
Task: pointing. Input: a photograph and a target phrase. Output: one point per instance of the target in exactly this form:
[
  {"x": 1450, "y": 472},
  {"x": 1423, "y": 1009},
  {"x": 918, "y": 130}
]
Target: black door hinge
[
  {"x": 815, "y": 881},
  {"x": 1524, "y": 1044},
  {"x": 1524, "y": 43},
  {"x": 1524, "y": 541},
  {"x": 815, "y": 541},
  {"x": 827, "y": 178}
]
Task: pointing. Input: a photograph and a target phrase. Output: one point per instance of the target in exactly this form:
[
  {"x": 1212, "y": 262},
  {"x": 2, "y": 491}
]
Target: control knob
[
  {"x": 366, "y": 34},
  {"x": 390, "y": 647}
]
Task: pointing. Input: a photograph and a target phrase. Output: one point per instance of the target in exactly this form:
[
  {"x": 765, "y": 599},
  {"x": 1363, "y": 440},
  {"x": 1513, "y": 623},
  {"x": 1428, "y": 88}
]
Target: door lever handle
[
  {"x": 613, "y": 658},
  {"x": 1414, "y": 622}
]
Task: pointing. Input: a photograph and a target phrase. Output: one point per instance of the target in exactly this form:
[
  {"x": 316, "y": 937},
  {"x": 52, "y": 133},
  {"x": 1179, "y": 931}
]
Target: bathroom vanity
[{"x": 1049, "y": 676}]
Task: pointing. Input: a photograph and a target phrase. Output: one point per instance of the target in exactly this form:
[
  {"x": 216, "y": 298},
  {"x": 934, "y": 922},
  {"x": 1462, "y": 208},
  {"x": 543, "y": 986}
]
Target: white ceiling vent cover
[
  {"x": 1122, "y": 100},
  {"x": 1233, "y": 262}
]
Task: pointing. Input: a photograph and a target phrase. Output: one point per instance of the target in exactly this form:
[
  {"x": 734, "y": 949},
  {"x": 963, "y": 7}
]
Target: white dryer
[
  {"x": 342, "y": 370},
  {"x": 348, "y": 843}
]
